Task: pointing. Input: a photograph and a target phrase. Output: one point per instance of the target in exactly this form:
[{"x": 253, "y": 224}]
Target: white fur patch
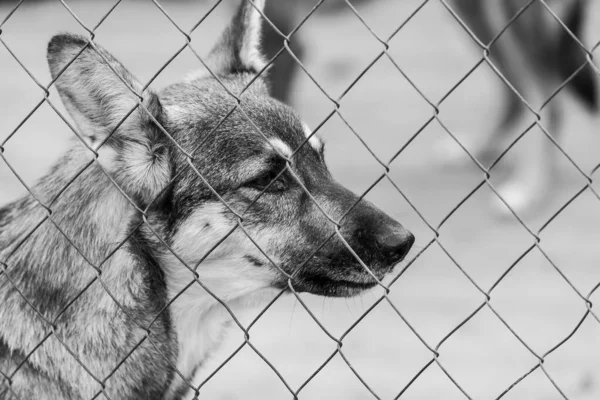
[
  {"x": 145, "y": 169},
  {"x": 107, "y": 157},
  {"x": 199, "y": 319},
  {"x": 250, "y": 52},
  {"x": 314, "y": 141},
  {"x": 177, "y": 112},
  {"x": 280, "y": 146}
]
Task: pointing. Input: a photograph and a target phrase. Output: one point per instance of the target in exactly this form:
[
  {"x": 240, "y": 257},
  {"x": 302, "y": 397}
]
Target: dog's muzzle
[{"x": 373, "y": 244}]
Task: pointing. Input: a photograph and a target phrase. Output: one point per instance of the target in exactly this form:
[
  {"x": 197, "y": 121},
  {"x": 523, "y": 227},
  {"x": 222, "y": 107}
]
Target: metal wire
[{"x": 435, "y": 350}]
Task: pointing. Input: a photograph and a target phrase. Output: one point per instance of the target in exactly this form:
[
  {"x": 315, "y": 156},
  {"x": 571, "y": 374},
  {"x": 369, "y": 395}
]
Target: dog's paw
[{"x": 522, "y": 197}]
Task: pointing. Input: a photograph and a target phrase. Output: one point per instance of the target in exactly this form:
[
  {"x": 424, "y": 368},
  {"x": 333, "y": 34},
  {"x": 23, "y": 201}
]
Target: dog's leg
[
  {"x": 512, "y": 111},
  {"x": 485, "y": 19},
  {"x": 533, "y": 160},
  {"x": 283, "y": 14}
]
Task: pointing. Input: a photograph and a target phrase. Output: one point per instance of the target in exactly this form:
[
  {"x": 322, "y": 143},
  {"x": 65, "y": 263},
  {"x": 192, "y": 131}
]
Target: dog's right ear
[
  {"x": 96, "y": 89},
  {"x": 238, "y": 49},
  {"x": 100, "y": 94}
]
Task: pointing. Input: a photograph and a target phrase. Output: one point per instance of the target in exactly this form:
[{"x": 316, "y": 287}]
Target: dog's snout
[
  {"x": 375, "y": 237},
  {"x": 395, "y": 245}
]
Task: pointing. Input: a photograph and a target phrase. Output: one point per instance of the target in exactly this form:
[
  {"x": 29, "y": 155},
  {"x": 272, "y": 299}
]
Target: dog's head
[{"x": 241, "y": 188}]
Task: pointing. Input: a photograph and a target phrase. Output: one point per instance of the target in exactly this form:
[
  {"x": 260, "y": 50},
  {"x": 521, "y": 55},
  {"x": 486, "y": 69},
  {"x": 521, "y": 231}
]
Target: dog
[
  {"x": 536, "y": 55},
  {"x": 284, "y": 16},
  {"x": 177, "y": 208}
]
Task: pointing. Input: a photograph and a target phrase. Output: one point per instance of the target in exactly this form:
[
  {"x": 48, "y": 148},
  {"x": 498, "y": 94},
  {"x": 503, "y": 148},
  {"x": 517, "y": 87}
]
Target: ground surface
[{"x": 433, "y": 295}]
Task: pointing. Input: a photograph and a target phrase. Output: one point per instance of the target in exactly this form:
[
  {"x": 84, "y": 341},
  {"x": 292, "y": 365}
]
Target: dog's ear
[
  {"x": 98, "y": 92},
  {"x": 96, "y": 89},
  {"x": 238, "y": 49}
]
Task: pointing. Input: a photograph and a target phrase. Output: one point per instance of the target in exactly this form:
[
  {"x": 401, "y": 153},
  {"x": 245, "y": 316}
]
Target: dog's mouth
[
  {"x": 337, "y": 276},
  {"x": 323, "y": 285}
]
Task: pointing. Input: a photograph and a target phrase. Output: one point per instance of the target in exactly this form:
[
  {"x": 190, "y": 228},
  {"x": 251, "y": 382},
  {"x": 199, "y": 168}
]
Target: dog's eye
[{"x": 263, "y": 182}]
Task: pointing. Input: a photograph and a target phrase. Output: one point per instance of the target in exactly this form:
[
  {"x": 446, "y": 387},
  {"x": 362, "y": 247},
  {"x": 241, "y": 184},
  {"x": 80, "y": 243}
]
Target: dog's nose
[{"x": 395, "y": 245}]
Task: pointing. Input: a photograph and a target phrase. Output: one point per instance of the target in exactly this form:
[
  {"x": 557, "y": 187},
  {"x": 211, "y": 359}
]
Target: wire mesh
[{"x": 435, "y": 349}]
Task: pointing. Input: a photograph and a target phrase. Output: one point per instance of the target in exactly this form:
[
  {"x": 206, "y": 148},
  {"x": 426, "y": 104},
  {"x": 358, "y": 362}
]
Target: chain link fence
[{"x": 431, "y": 239}]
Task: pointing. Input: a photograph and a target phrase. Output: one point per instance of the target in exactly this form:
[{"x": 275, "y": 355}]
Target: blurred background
[{"x": 380, "y": 113}]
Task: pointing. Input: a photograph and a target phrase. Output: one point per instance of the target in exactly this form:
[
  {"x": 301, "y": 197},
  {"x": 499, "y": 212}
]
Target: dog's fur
[{"x": 100, "y": 297}]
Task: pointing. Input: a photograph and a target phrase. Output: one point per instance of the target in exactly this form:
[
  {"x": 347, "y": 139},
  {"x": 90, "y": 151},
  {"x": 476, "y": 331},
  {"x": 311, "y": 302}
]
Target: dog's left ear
[{"x": 238, "y": 49}]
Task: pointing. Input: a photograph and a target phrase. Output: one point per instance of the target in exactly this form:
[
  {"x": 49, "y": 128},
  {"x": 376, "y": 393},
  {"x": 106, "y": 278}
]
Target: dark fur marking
[
  {"x": 15, "y": 357},
  {"x": 4, "y": 350},
  {"x": 4, "y": 212},
  {"x": 239, "y": 68},
  {"x": 182, "y": 389},
  {"x": 47, "y": 301},
  {"x": 147, "y": 388},
  {"x": 571, "y": 57},
  {"x": 254, "y": 261},
  {"x": 141, "y": 249},
  {"x": 164, "y": 207}
]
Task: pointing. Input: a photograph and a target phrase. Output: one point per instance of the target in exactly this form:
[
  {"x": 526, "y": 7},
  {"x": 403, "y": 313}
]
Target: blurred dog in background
[
  {"x": 535, "y": 54},
  {"x": 285, "y": 15}
]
